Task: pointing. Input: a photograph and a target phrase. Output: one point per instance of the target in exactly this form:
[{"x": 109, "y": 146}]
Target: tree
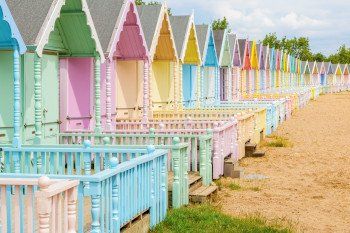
[
  {"x": 152, "y": 3},
  {"x": 220, "y": 24}
]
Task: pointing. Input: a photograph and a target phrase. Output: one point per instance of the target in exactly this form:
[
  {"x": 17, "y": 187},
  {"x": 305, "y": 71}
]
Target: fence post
[
  {"x": 44, "y": 206},
  {"x": 87, "y": 162},
  {"x": 153, "y": 208},
  {"x": 72, "y": 209},
  {"x": 115, "y": 196},
  {"x": 203, "y": 160},
  {"x": 177, "y": 184},
  {"x": 152, "y": 136},
  {"x": 95, "y": 188},
  {"x": 216, "y": 151}
]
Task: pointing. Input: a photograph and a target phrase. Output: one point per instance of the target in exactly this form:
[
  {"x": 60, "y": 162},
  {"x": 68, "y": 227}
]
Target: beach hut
[
  {"x": 254, "y": 65},
  {"x": 338, "y": 76},
  {"x": 245, "y": 65},
  {"x": 11, "y": 48},
  {"x": 284, "y": 69},
  {"x": 163, "y": 56},
  {"x": 224, "y": 56},
  {"x": 273, "y": 66},
  {"x": 345, "y": 76},
  {"x": 189, "y": 58},
  {"x": 210, "y": 64},
  {"x": 236, "y": 66},
  {"x": 262, "y": 50},
  {"x": 278, "y": 69},
  {"x": 124, "y": 80},
  {"x": 328, "y": 77},
  {"x": 59, "y": 68},
  {"x": 314, "y": 74},
  {"x": 306, "y": 73},
  {"x": 322, "y": 73}
]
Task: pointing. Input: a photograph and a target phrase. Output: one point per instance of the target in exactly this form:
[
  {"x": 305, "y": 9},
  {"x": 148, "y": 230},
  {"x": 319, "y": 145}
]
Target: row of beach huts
[{"x": 112, "y": 113}]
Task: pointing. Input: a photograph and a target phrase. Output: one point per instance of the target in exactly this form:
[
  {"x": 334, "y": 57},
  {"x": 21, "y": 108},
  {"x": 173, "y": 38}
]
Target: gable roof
[
  {"x": 328, "y": 67},
  {"x": 36, "y": 20},
  {"x": 9, "y": 33},
  {"x": 203, "y": 37},
  {"x": 242, "y": 47},
  {"x": 149, "y": 17},
  {"x": 219, "y": 41},
  {"x": 109, "y": 17},
  {"x": 180, "y": 25},
  {"x": 152, "y": 18},
  {"x": 305, "y": 67},
  {"x": 235, "y": 49}
]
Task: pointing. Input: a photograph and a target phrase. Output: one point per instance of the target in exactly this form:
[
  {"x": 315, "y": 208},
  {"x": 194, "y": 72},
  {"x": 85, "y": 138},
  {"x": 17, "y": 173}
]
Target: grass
[
  {"x": 224, "y": 183},
  {"x": 208, "y": 219},
  {"x": 277, "y": 141},
  {"x": 234, "y": 186}
]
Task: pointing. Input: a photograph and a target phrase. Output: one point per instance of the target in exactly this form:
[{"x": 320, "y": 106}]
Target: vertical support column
[
  {"x": 16, "y": 97},
  {"x": 115, "y": 196},
  {"x": 198, "y": 86},
  {"x": 72, "y": 209},
  {"x": 230, "y": 84},
  {"x": 97, "y": 78},
  {"x": 180, "y": 85},
  {"x": 217, "y": 85},
  {"x": 145, "y": 91},
  {"x": 44, "y": 206},
  {"x": 176, "y": 85},
  {"x": 108, "y": 96},
  {"x": 37, "y": 99},
  {"x": 202, "y": 97}
]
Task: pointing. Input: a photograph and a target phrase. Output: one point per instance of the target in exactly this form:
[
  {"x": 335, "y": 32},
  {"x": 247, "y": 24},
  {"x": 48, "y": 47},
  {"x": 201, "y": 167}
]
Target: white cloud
[{"x": 296, "y": 21}]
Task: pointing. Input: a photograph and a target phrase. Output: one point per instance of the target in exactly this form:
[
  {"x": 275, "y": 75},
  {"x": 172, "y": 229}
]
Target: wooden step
[
  {"x": 194, "y": 181},
  {"x": 258, "y": 154},
  {"x": 250, "y": 149},
  {"x": 203, "y": 194}
]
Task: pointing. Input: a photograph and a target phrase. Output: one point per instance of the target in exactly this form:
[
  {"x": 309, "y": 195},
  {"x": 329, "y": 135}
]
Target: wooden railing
[
  {"x": 38, "y": 205},
  {"x": 224, "y": 135},
  {"x": 195, "y": 150},
  {"x": 110, "y": 198}
]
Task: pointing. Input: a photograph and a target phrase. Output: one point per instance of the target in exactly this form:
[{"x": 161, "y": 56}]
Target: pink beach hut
[
  {"x": 125, "y": 74},
  {"x": 245, "y": 65},
  {"x": 235, "y": 67}
]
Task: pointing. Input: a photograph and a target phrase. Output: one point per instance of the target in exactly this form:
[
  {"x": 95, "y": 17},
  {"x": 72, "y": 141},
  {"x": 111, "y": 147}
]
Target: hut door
[
  {"x": 6, "y": 97},
  {"x": 222, "y": 83},
  {"x": 188, "y": 84},
  {"x": 322, "y": 79},
  {"x": 50, "y": 98},
  {"x": 76, "y": 94}
]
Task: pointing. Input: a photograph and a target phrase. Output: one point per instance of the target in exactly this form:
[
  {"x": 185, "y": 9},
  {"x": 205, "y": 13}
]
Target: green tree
[
  {"x": 220, "y": 24},
  {"x": 152, "y": 3}
]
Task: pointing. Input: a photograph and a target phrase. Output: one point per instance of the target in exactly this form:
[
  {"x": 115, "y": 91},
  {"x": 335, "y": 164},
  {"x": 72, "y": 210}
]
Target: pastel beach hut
[
  {"x": 278, "y": 69},
  {"x": 189, "y": 59},
  {"x": 345, "y": 76},
  {"x": 338, "y": 76},
  {"x": 12, "y": 47},
  {"x": 254, "y": 65},
  {"x": 163, "y": 56},
  {"x": 273, "y": 64},
  {"x": 224, "y": 56},
  {"x": 329, "y": 77},
  {"x": 306, "y": 73},
  {"x": 314, "y": 74},
  {"x": 245, "y": 66},
  {"x": 124, "y": 80},
  {"x": 322, "y": 73},
  {"x": 263, "y": 67},
  {"x": 59, "y": 68},
  {"x": 284, "y": 69},
  {"x": 210, "y": 65},
  {"x": 236, "y": 66}
]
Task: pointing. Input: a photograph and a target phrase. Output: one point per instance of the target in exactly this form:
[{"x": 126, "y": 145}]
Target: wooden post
[
  {"x": 115, "y": 197},
  {"x": 95, "y": 207},
  {"x": 97, "y": 78},
  {"x": 37, "y": 99},
  {"x": 108, "y": 96},
  {"x": 202, "y": 96},
  {"x": 176, "y": 85},
  {"x": 217, "y": 84},
  {"x": 180, "y": 86},
  {"x": 176, "y": 193},
  {"x": 72, "y": 209},
  {"x": 44, "y": 207},
  {"x": 145, "y": 91},
  {"x": 17, "y": 99}
]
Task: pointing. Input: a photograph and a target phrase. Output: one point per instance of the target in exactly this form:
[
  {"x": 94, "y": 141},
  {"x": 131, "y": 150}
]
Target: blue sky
[{"x": 325, "y": 22}]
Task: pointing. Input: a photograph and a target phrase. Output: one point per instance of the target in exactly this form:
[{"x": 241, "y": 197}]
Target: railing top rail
[
  {"x": 97, "y": 177},
  {"x": 142, "y": 134}
]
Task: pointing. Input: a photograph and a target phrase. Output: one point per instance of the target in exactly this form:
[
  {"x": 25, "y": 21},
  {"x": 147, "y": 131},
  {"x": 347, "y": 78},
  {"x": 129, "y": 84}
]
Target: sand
[{"x": 308, "y": 184}]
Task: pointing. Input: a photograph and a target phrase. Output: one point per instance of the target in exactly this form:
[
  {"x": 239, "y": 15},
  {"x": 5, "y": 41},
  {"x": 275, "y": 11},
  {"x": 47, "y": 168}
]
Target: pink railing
[
  {"x": 224, "y": 135},
  {"x": 38, "y": 205}
]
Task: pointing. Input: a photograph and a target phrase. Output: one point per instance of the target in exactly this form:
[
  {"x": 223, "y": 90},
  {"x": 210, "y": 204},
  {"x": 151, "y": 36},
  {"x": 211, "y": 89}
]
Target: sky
[{"x": 325, "y": 22}]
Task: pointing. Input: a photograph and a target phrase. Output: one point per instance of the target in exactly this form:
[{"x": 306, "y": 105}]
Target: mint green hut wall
[
  {"x": 52, "y": 31},
  {"x": 11, "y": 46}
]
